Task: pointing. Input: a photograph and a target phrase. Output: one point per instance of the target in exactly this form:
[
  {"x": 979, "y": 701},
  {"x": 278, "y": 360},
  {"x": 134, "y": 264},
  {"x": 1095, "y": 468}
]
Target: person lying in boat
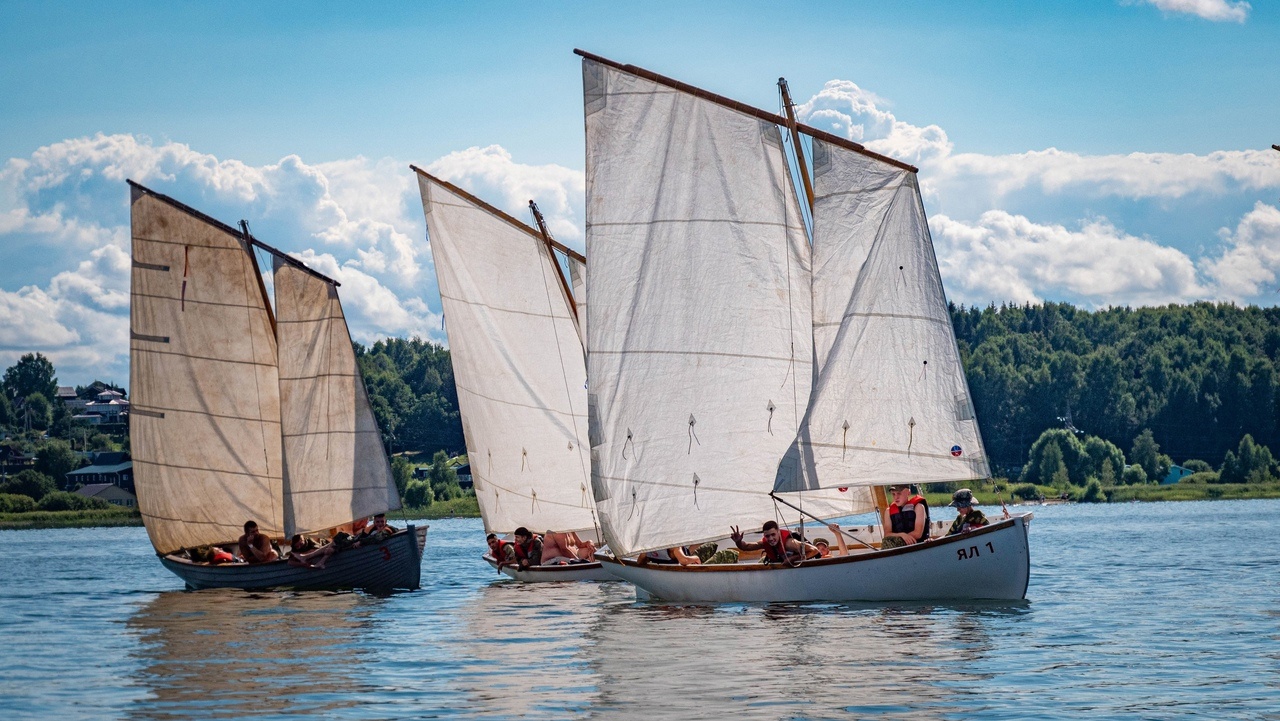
[
  {"x": 968, "y": 517},
  {"x": 906, "y": 519},
  {"x": 377, "y": 533},
  {"x": 213, "y": 555},
  {"x": 255, "y": 547},
  {"x": 559, "y": 549},
  {"x": 778, "y": 545},
  {"x": 305, "y": 551},
  {"x": 586, "y": 550},
  {"x": 824, "y": 546}
]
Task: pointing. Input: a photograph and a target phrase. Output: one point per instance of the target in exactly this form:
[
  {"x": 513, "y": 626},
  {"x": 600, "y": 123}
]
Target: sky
[{"x": 1101, "y": 152}]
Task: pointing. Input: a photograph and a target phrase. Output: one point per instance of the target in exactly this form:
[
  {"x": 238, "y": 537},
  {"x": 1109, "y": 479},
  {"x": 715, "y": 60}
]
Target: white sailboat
[
  {"x": 241, "y": 413},
  {"x": 730, "y": 360},
  {"x": 518, "y": 363}
]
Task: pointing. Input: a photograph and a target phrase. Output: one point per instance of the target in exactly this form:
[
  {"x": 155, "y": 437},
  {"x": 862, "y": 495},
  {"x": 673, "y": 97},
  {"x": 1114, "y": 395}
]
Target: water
[{"x": 1135, "y": 610}]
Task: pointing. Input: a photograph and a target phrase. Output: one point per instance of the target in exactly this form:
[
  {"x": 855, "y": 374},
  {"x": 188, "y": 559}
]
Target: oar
[{"x": 819, "y": 520}]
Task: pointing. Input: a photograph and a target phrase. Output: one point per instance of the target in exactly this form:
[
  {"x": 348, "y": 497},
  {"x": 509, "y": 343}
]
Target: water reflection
[
  {"x": 232, "y": 653},
  {"x": 786, "y": 661},
  {"x": 526, "y": 654}
]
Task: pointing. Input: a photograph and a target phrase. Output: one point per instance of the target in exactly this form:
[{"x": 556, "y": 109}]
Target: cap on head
[
  {"x": 962, "y": 498},
  {"x": 820, "y": 541}
]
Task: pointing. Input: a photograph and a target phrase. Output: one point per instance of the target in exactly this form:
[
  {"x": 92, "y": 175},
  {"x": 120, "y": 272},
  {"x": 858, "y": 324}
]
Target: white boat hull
[
  {"x": 544, "y": 574},
  {"x": 990, "y": 563},
  {"x": 394, "y": 564}
]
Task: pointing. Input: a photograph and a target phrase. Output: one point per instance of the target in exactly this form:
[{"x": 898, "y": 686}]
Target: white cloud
[
  {"x": 1009, "y": 257},
  {"x": 493, "y": 176},
  {"x": 1216, "y": 10},
  {"x": 1250, "y": 260}
]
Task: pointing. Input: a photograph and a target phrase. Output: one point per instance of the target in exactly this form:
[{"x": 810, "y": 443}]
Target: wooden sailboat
[
  {"x": 518, "y": 364},
  {"x": 731, "y": 359},
  {"x": 241, "y": 413}
]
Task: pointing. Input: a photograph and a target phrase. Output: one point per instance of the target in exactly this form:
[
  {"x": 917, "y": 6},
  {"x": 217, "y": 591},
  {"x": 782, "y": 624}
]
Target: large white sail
[
  {"x": 205, "y": 419},
  {"x": 517, "y": 363},
  {"x": 335, "y": 468},
  {"x": 891, "y": 403},
  {"x": 578, "y": 281},
  {"x": 699, "y": 317}
]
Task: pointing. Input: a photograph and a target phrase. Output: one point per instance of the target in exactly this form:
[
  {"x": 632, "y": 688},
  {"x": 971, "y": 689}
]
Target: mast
[
  {"x": 745, "y": 109},
  {"x": 795, "y": 141},
  {"x": 546, "y": 237},
  {"x": 262, "y": 286}
]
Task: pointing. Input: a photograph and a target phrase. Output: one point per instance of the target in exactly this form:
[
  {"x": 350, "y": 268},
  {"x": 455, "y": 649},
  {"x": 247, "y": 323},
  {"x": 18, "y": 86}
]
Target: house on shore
[
  {"x": 110, "y": 467},
  {"x": 1176, "y": 473},
  {"x": 110, "y": 493}
]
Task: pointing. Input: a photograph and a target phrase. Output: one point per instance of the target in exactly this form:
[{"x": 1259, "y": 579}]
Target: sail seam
[
  {"x": 206, "y": 413},
  {"x": 318, "y": 376},
  {"x": 205, "y": 358},
  {"x": 505, "y": 310},
  {"x": 327, "y": 433},
  {"x": 236, "y": 238},
  {"x": 870, "y": 449},
  {"x": 520, "y": 405},
  {"x": 706, "y": 354},
  {"x": 729, "y": 221},
  {"x": 153, "y": 296},
  {"x": 897, "y": 316},
  {"x": 685, "y": 487},
  {"x": 205, "y": 470},
  {"x": 488, "y": 482}
]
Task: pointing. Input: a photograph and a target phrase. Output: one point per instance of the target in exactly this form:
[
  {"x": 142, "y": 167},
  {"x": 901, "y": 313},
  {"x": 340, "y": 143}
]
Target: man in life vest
[
  {"x": 906, "y": 520},
  {"x": 504, "y": 552},
  {"x": 528, "y": 548},
  {"x": 778, "y": 545}
]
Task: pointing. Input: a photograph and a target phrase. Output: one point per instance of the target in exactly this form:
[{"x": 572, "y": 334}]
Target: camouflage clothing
[
  {"x": 968, "y": 522},
  {"x": 706, "y": 551},
  {"x": 892, "y": 542},
  {"x": 728, "y": 555}
]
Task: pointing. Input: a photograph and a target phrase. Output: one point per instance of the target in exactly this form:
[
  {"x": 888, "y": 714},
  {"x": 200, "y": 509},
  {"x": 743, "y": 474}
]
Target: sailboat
[
  {"x": 738, "y": 371},
  {"x": 241, "y": 412},
  {"x": 518, "y": 364}
]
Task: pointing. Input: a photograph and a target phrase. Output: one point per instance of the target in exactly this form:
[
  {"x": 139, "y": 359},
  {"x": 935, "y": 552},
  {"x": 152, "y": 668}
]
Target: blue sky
[{"x": 1097, "y": 151}]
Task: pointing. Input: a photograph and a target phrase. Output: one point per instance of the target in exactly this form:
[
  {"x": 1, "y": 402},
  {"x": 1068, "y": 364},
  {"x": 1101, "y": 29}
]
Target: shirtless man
[
  {"x": 255, "y": 547},
  {"x": 558, "y": 549}
]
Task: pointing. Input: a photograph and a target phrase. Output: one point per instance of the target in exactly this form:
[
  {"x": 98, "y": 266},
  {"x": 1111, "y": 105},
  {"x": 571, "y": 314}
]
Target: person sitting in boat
[
  {"x": 824, "y": 546},
  {"x": 907, "y": 518},
  {"x": 586, "y": 550},
  {"x": 305, "y": 551},
  {"x": 528, "y": 549},
  {"x": 377, "y": 533},
  {"x": 504, "y": 552},
  {"x": 255, "y": 547},
  {"x": 968, "y": 517},
  {"x": 778, "y": 545}
]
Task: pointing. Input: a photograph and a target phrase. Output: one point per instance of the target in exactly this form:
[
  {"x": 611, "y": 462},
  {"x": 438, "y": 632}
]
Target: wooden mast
[
  {"x": 257, "y": 274},
  {"x": 795, "y": 141},
  {"x": 551, "y": 251},
  {"x": 746, "y": 109}
]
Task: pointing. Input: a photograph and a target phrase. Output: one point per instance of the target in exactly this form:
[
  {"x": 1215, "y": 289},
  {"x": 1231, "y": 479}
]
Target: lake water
[{"x": 1155, "y": 610}]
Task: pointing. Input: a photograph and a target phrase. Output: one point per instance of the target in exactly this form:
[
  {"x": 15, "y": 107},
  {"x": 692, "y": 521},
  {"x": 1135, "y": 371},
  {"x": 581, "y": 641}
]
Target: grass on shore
[
  {"x": 464, "y": 507},
  {"x": 70, "y": 519}
]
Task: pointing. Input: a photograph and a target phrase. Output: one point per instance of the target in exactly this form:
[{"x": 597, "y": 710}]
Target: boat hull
[
  {"x": 545, "y": 574},
  {"x": 394, "y": 564},
  {"x": 992, "y": 563}
]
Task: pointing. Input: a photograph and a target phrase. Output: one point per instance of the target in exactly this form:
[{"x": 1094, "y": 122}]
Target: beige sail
[
  {"x": 517, "y": 363},
  {"x": 891, "y": 403},
  {"x": 699, "y": 317},
  {"x": 578, "y": 281},
  {"x": 205, "y": 421},
  {"x": 335, "y": 468}
]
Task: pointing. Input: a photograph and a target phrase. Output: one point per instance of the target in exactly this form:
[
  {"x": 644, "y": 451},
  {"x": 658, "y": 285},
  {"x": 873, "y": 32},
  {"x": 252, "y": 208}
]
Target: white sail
[
  {"x": 335, "y": 468},
  {"x": 205, "y": 419},
  {"x": 699, "y": 320},
  {"x": 517, "y": 363},
  {"x": 578, "y": 281},
  {"x": 890, "y": 403}
]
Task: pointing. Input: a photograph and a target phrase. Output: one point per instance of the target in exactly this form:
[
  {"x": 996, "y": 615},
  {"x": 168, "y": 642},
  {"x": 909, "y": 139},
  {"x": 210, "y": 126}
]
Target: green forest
[{"x": 1069, "y": 400}]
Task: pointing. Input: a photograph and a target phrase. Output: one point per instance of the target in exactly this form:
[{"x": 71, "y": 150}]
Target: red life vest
[
  {"x": 778, "y": 553},
  {"x": 902, "y": 521},
  {"x": 522, "y": 552},
  {"x": 501, "y": 554}
]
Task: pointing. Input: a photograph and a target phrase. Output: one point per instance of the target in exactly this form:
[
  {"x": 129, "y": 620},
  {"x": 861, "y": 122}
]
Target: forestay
[
  {"x": 335, "y": 468},
  {"x": 518, "y": 366},
  {"x": 699, "y": 318},
  {"x": 202, "y": 359},
  {"x": 891, "y": 403}
]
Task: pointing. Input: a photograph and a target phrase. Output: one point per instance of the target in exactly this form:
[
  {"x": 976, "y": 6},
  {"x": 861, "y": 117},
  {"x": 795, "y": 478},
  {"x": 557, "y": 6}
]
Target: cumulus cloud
[
  {"x": 1216, "y": 10},
  {"x": 491, "y": 174},
  {"x": 1250, "y": 259},
  {"x": 64, "y": 236},
  {"x": 1012, "y": 258}
]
